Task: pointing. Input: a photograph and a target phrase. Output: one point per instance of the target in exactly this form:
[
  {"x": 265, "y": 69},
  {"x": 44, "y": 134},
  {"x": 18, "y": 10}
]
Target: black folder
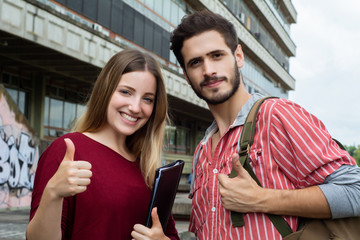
[{"x": 166, "y": 183}]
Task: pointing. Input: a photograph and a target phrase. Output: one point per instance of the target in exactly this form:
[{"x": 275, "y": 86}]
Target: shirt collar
[{"x": 239, "y": 120}]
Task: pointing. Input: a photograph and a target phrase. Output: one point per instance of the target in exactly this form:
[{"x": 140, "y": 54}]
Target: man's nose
[{"x": 209, "y": 68}]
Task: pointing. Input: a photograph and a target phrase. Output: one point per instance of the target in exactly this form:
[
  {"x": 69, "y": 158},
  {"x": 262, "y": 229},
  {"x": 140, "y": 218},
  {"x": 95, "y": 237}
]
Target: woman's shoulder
[
  {"x": 59, "y": 143},
  {"x": 73, "y": 136}
]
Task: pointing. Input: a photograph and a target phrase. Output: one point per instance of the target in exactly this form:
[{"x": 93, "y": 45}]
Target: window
[
  {"x": 60, "y": 116},
  {"x": 139, "y": 29},
  {"x": 104, "y": 13},
  {"x": 128, "y": 22},
  {"x": 19, "y": 91},
  {"x": 76, "y": 5},
  {"x": 90, "y": 9},
  {"x": 149, "y": 34},
  {"x": 177, "y": 140},
  {"x": 117, "y": 17},
  {"x": 132, "y": 20}
]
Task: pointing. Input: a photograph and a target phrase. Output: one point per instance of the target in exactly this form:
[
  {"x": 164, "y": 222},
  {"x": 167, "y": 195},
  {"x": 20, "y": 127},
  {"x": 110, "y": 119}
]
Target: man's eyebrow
[
  {"x": 215, "y": 51},
  {"x": 207, "y": 54}
]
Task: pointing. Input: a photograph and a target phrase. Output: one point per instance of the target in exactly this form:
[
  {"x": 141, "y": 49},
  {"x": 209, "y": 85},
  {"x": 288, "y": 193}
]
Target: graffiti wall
[{"x": 19, "y": 153}]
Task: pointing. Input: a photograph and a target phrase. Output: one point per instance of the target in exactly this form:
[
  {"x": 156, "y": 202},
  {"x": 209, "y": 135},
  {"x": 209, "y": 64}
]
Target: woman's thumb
[
  {"x": 155, "y": 218},
  {"x": 70, "y": 150}
]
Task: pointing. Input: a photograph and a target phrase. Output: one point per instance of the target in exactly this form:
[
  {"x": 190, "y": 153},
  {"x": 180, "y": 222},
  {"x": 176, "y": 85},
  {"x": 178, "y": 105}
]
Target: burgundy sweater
[{"x": 116, "y": 199}]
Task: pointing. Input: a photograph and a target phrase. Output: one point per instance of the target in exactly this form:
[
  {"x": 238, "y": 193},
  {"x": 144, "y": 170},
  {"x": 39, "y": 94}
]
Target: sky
[{"x": 327, "y": 64}]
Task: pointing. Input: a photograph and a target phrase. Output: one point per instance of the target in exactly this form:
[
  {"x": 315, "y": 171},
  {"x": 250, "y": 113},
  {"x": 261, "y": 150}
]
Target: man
[{"x": 302, "y": 171}]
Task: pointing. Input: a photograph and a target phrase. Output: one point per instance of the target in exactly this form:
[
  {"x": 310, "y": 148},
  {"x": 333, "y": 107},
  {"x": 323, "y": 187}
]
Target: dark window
[
  {"x": 139, "y": 29},
  {"x": 89, "y": 9},
  {"x": 60, "y": 115},
  {"x": 157, "y": 39},
  {"x": 149, "y": 34},
  {"x": 104, "y": 13},
  {"x": 177, "y": 140},
  {"x": 165, "y": 49},
  {"x": 18, "y": 90},
  {"x": 128, "y": 22},
  {"x": 75, "y": 5},
  {"x": 63, "y": 2},
  {"x": 123, "y": 20},
  {"x": 116, "y": 17}
]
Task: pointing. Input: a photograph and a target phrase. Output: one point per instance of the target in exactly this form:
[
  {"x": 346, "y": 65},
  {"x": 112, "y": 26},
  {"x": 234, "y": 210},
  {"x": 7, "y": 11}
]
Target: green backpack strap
[
  {"x": 339, "y": 144},
  {"x": 245, "y": 142}
]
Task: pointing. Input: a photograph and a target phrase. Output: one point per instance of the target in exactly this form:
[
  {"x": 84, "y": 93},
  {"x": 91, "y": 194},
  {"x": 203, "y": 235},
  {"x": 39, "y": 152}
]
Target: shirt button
[
  {"x": 215, "y": 171},
  {"x": 213, "y": 209}
]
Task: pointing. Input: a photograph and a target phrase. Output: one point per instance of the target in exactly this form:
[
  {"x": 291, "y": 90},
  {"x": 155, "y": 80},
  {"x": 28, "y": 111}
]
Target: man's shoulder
[{"x": 278, "y": 104}]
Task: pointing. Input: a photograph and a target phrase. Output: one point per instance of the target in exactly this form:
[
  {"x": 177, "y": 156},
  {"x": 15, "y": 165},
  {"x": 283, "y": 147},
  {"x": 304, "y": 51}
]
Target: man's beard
[{"x": 219, "y": 98}]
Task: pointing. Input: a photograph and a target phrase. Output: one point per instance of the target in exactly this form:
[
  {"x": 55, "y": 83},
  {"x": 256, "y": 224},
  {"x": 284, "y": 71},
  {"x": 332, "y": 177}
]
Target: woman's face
[{"x": 132, "y": 103}]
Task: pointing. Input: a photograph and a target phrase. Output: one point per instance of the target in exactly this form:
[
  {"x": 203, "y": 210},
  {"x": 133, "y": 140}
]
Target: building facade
[{"x": 51, "y": 52}]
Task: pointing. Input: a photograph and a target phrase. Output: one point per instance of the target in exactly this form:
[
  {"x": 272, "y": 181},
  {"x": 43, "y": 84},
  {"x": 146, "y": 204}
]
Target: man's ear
[
  {"x": 186, "y": 76},
  {"x": 239, "y": 56}
]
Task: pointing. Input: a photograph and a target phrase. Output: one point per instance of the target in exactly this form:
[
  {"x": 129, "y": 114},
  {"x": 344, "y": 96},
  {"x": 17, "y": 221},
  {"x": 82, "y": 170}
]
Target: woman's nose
[{"x": 135, "y": 106}]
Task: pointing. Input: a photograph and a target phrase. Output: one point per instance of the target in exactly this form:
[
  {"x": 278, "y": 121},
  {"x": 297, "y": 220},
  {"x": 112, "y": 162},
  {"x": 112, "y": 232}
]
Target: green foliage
[{"x": 354, "y": 152}]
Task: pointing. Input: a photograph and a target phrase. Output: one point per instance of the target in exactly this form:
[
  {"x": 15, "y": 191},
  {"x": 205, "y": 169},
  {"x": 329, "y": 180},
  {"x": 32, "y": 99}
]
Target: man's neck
[{"x": 226, "y": 113}]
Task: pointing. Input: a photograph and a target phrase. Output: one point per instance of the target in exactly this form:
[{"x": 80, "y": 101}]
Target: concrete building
[{"x": 51, "y": 52}]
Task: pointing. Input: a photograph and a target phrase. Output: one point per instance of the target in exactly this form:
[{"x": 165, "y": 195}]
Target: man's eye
[
  {"x": 217, "y": 55},
  {"x": 194, "y": 63}
]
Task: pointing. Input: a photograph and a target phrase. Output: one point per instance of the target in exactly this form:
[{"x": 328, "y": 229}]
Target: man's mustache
[{"x": 212, "y": 78}]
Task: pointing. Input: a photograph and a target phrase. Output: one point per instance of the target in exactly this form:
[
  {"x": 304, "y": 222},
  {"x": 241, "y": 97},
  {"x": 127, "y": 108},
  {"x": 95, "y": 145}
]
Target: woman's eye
[
  {"x": 124, "y": 91},
  {"x": 149, "y": 100}
]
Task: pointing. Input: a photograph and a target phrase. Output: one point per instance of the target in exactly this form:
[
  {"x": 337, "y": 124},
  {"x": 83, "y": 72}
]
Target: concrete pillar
[{"x": 38, "y": 105}]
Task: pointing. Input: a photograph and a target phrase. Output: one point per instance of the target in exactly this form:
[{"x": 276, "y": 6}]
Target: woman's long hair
[{"x": 146, "y": 143}]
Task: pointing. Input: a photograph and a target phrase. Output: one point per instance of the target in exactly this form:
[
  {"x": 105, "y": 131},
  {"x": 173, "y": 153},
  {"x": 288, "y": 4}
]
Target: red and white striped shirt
[{"x": 291, "y": 150}]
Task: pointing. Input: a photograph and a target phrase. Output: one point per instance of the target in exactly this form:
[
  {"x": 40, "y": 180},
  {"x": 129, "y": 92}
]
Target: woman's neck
[{"x": 113, "y": 141}]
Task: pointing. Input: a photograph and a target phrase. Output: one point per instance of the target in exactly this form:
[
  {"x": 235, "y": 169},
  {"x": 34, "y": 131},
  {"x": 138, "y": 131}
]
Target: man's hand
[
  {"x": 242, "y": 193},
  {"x": 72, "y": 177},
  {"x": 154, "y": 233}
]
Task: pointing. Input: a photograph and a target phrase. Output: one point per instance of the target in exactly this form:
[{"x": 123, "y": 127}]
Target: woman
[{"x": 117, "y": 144}]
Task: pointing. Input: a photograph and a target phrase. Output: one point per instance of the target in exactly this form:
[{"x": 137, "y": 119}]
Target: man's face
[{"x": 210, "y": 67}]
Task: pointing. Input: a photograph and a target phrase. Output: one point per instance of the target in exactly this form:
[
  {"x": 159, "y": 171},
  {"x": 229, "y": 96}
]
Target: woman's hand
[
  {"x": 156, "y": 232},
  {"x": 71, "y": 178}
]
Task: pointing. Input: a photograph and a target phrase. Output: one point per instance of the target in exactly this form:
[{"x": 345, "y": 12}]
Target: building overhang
[{"x": 36, "y": 39}]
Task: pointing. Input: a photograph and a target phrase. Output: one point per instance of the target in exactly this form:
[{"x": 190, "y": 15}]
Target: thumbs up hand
[
  {"x": 154, "y": 233},
  {"x": 72, "y": 177},
  {"x": 241, "y": 193}
]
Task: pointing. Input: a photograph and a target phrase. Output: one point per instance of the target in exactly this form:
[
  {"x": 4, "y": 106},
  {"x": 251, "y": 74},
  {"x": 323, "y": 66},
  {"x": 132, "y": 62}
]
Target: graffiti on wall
[{"x": 19, "y": 153}]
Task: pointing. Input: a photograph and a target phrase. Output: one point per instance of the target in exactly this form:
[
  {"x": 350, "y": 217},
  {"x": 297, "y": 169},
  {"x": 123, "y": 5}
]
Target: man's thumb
[
  {"x": 236, "y": 164},
  {"x": 70, "y": 150}
]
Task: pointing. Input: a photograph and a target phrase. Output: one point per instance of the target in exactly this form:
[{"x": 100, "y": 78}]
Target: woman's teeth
[{"x": 132, "y": 119}]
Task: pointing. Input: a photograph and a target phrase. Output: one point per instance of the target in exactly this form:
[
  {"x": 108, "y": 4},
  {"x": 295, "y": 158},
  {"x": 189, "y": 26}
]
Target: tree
[
  {"x": 357, "y": 155},
  {"x": 354, "y": 152}
]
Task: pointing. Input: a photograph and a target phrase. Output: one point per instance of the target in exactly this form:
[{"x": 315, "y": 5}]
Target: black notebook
[{"x": 166, "y": 182}]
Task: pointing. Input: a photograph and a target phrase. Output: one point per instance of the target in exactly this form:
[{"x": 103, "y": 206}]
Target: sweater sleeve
[
  {"x": 48, "y": 164},
  {"x": 171, "y": 231},
  {"x": 342, "y": 190}
]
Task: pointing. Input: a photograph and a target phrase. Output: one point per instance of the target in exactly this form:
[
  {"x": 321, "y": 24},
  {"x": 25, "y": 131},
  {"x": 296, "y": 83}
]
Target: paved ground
[{"x": 13, "y": 224}]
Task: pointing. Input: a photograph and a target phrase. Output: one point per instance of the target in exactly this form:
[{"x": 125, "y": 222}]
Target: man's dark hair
[{"x": 199, "y": 22}]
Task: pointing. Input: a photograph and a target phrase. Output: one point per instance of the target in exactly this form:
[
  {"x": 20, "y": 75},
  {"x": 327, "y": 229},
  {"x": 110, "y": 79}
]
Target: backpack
[{"x": 310, "y": 229}]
